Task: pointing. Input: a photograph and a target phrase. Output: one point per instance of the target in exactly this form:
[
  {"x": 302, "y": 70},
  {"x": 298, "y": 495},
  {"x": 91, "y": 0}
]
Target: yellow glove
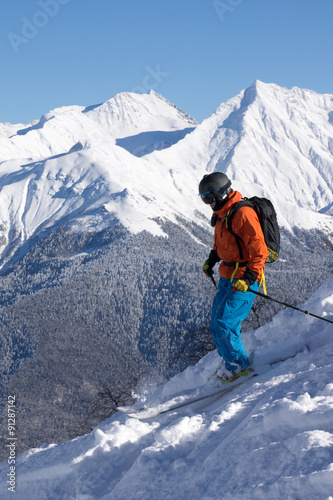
[
  {"x": 241, "y": 286},
  {"x": 208, "y": 268}
]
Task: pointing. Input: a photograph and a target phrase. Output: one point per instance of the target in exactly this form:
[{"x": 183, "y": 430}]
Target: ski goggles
[{"x": 209, "y": 197}]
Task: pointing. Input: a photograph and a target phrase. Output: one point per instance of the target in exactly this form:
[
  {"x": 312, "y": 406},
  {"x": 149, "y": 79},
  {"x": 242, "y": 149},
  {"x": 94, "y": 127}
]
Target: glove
[
  {"x": 246, "y": 281},
  {"x": 208, "y": 268},
  {"x": 210, "y": 263},
  {"x": 241, "y": 285}
]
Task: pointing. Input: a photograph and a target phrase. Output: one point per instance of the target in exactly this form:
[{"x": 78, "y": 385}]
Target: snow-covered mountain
[
  {"x": 67, "y": 168},
  {"x": 137, "y": 159},
  {"x": 271, "y": 141},
  {"x": 73, "y": 127},
  {"x": 269, "y": 437}
]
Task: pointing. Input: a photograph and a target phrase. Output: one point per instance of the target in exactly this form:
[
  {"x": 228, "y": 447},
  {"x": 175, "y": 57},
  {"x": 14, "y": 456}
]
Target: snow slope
[
  {"x": 137, "y": 160},
  {"x": 270, "y": 437}
]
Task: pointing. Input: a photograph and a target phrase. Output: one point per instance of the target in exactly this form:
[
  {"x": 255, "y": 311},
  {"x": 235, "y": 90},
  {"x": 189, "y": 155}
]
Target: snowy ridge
[
  {"x": 88, "y": 190},
  {"x": 127, "y": 114},
  {"x": 124, "y": 115},
  {"x": 270, "y": 437}
]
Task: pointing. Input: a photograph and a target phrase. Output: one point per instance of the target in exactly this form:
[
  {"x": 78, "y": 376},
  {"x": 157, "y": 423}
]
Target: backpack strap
[
  {"x": 243, "y": 202},
  {"x": 234, "y": 273},
  {"x": 263, "y": 281}
]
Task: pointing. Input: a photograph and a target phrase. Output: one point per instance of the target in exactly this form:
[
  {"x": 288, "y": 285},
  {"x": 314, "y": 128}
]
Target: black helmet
[{"x": 214, "y": 187}]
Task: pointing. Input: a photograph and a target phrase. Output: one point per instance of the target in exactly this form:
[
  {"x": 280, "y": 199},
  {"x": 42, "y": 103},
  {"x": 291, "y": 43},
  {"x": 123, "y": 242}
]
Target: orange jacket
[{"x": 245, "y": 223}]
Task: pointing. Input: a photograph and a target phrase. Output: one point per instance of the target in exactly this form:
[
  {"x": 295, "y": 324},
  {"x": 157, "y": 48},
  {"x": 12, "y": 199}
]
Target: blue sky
[{"x": 196, "y": 53}]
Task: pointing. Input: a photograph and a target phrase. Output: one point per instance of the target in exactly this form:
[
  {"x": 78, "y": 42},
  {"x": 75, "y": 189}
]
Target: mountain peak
[
  {"x": 261, "y": 86},
  {"x": 129, "y": 113},
  {"x": 261, "y": 90}
]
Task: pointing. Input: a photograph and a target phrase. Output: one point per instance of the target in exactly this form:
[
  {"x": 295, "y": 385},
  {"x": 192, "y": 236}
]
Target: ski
[
  {"x": 169, "y": 406},
  {"x": 177, "y": 402}
]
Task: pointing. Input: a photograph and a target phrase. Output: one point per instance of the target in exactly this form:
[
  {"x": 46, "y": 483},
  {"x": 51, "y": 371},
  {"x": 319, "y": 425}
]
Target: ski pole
[
  {"x": 213, "y": 280},
  {"x": 288, "y": 305}
]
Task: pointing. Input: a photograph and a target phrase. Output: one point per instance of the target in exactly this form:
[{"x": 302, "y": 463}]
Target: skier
[{"x": 232, "y": 302}]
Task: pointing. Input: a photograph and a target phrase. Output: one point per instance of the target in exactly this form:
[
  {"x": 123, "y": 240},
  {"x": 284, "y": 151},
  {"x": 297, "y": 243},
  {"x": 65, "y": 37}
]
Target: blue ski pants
[{"x": 229, "y": 310}]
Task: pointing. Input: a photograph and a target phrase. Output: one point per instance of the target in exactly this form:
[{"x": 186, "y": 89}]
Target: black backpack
[{"x": 268, "y": 220}]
